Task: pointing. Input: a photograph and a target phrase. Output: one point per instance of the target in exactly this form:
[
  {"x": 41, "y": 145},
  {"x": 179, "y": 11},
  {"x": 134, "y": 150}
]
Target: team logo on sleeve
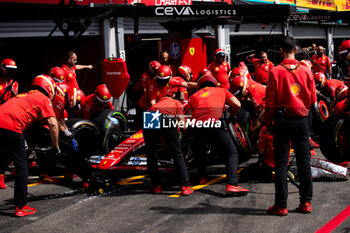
[{"x": 295, "y": 88}]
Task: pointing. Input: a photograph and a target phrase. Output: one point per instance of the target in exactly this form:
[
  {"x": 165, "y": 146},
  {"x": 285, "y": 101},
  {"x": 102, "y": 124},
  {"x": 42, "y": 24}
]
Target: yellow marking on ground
[
  {"x": 40, "y": 182},
  {"x": 130, "y": 180},
  {"x": 178, "y": 194}
]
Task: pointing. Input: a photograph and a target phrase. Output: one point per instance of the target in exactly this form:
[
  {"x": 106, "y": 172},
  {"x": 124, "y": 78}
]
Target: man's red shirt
[
  {"x": 143, "y": 82},
  {"x": 262, "y": 70},
  {"x": 220, "y": 72},
  {"x": 320, "y": 64},
  {"x": 58, "y": 104},
  {"x": 155, "y": 91},
  {"x": 168, "y": 106},
  {"x": 257, "y": 94},
  {"x": 71, "y": 77},
  {"x": 22, "y": 110},
  {"x": 208, "y": 103},
  {"x": 293, "y": 89}
]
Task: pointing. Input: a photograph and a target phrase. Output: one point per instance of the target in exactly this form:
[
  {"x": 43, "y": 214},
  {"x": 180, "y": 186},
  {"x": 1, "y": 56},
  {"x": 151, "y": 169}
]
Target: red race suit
[
  {"x": 71, "y": 77},
  {"x": 320, "y": 64},
  {"x": 209, "y": 103},
  {"x": 220, "y": 72},
  {"x": 292, "y": 86},
  {"x": 329, "y": 89},
  {"x": 91, "y": 109},
  {"x": 10, "y": 93},
  {"x": 168, "y": 106},
  {"x": 22, "y": 110},
  {"x": 156, "y": 91},
  {"x": 262, "y": 70}
]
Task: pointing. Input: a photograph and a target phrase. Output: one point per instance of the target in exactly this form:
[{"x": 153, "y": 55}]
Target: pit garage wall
[{"x": 27, "y": 42}]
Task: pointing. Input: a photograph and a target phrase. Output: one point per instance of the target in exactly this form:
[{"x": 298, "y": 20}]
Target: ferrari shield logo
[{"x": 192, "y": 51}]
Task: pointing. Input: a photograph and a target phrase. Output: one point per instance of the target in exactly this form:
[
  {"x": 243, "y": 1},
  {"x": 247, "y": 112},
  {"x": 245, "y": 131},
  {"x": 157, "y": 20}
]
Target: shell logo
[
  {"x": 137, "y": 136},
  {"x": 205, "y": 94},
  {"x": 295, "y": 88},
  {"x": 217, "y": 68},
  {"x": 70, "y": 75},
  {"x": 1, "y": 87}
]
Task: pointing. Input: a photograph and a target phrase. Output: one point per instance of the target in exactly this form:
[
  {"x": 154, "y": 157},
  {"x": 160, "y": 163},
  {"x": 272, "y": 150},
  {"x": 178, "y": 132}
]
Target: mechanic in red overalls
[
  {"x": 15, "y": 116},
  {"x": 146, "y": 77},
  {"x": 290, "y": 93},
  {"x": 70, "y": 66},
  {"x": 220, "y": 68},
  {"x": 327, "y": 86},
  {"x": 321, "y": 62},
  {"x": 75, "y": 100},
  {"x": 8, "y": 89},
  {"x": 262, "y": 66},
  {"x": 342, "y": 101},
  {"x": 208, "y": 104},
  {"x": 184, "y": 72},
  {"x": 96, "y": 103},
  {"x": 171, "y": 110}
]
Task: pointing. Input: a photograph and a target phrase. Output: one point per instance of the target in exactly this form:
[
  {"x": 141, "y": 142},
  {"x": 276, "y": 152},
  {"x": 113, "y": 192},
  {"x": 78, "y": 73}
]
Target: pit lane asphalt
[{"x": 131, "y": 208}]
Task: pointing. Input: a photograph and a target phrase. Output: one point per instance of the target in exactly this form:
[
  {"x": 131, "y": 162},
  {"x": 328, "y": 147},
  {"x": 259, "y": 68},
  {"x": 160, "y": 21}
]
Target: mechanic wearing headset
[
  {"x": 165, "y": 59},
  {"x": 15, "y": 116},
  {"x": 208, "y": 104},
  {"x": 290, "y": 93},
  {"x": 220, "y": 68},
  {"x": 8, "y": 89},
  {"x": 171, "y": 110}
]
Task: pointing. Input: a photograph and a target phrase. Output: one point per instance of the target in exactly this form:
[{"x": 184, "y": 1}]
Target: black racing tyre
[
  {"x": 334, "y": 139},
  {"x": 320, "y": 113},
  {"x": 110, "y": 137},
  {"x": 241, "y": 141},
  {"x": 86, "y": 134}
]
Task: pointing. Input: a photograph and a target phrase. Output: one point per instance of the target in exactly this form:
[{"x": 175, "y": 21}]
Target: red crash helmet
[
  {"x": 306, "y": 63},
  {"x": 61, "y": 89},
  {"x": 58, "y": 74},
  {"x": 163, "y": 75},
  {"x": 344, "y": 50},
  {"x": 45, "y": 84},
  {"x": 341, "y": 92},
  {"x": 239, "y": 86},
  {"x": 238, "y": 71},
  {"x": 102, "y": 94},
  {"x": 219, "y": 53},
  {"x": 204, "y": 71},
  {"x": 320, "y": 79},
  {"x": 207, "y": 81},
  {"x": 9, "y": 63},
  {"x": 10, "y": 66},
  {"x": 185, "y": 72},
  {"x": 75, "y": 97},
  {"x": 152, "y": 66}
]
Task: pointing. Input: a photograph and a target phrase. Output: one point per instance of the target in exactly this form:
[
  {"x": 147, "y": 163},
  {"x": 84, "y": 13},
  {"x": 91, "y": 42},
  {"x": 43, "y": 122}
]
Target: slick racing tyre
[
  {"x": 334, "y": 139},
  {"x": 86, "y": 134},
  {"x": 111, "y": 125},
  {"x": 320, "y": 114},
  {"x": 241, "y": 141}
]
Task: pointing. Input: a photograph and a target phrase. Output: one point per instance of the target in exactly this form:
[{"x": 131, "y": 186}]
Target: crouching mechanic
[
  {"x": 208, "y": 104},
  {"x": 15, "y": 116},
  {"x": 171, "y": 110},
  {"x": 96, "y": 103}
]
